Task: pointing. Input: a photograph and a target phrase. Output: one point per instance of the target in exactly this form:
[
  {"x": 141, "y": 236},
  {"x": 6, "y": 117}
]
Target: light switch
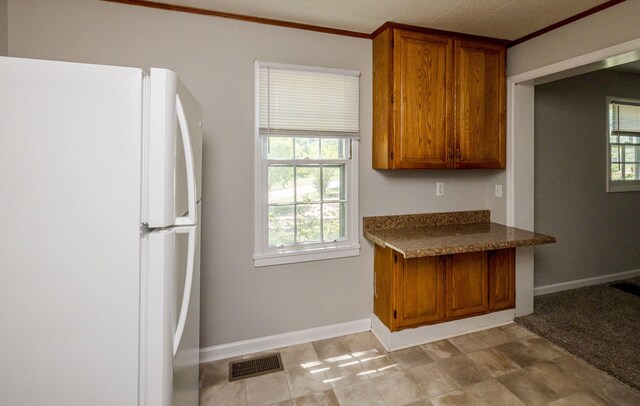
[
  {"x": 498, "y": 190},
  {"x": 439, "y": 188}
]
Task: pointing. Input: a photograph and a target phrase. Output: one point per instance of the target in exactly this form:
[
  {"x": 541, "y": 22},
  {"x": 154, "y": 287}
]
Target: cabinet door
[
  {"x": 420, "y": 290},
  {"x": 383, "y": 285},
  {"x": 467, "y": 284},
  {"x": 423, "y": 103},
  {"x": 480, "y": 105},
  {"x": 502, "y": 279}
]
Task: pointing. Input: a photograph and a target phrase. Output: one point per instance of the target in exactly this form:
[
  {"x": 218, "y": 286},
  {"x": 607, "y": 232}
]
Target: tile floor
[{"x": 502, "y": 366}]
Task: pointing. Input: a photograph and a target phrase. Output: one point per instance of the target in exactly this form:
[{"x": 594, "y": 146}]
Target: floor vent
[{"x": 255, "y": 367}]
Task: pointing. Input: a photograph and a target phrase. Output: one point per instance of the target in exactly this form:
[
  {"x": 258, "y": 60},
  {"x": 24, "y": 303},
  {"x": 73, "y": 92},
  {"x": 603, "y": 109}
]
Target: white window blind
[
  {"x": 625, "y": 118},
  {"x": 308, "y": 103}
]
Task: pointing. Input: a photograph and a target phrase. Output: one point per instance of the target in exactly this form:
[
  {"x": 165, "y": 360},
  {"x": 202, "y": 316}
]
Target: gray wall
[
  {"x": 606, "y": 28},
  {"x": 4, "y": 29},
  {"x": 214, "y": 57},
  {"x": 597, "y": 231}
]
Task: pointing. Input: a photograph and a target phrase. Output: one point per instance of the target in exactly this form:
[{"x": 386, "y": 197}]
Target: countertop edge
[{"x": 461, "y": 249}]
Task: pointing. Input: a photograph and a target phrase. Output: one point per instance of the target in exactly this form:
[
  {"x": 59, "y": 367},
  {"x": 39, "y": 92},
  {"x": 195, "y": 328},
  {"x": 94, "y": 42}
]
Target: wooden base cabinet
[
  {"x": 411, "y": 292},
  {"x": 467, "y": 285}
]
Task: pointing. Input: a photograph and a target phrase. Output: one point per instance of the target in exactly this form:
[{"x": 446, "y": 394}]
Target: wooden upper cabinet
[
  {"x": 422, "y": 100},
  {"x": 480, "y": 105},
  {"x": 438, "y": 102}
]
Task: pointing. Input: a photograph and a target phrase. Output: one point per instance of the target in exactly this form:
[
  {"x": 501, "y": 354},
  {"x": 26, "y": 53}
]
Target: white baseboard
[
  {"x": 273, "y": 342},
  {"x": 397, "y": 340},
  {"x": 557, "y": 287}
]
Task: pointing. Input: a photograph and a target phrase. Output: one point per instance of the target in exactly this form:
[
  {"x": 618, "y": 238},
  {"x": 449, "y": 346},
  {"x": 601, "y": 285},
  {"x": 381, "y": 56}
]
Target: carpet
[{"x": 599, "y": 324}]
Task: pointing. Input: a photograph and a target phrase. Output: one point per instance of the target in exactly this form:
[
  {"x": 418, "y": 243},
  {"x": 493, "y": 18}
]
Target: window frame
[
  {"x": 264, "y": 255},
  {"x": 614, "y": 186}
]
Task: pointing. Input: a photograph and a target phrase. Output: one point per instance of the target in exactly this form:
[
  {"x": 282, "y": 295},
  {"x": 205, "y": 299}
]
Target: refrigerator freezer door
[
  {"x": 172, "y": 316},
  {"x": 174, "y": 152}
]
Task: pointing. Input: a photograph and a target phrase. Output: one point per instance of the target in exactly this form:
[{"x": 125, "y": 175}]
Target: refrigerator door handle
[
  {"x": 190, "y": 218},
  {"x": 188, "y": 283}
]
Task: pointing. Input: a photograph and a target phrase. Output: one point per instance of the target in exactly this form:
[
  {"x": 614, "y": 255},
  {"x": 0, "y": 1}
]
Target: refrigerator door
[
  {"x": 70, "y": 163},
  {"x": 172, "y": 317},
  {"x": 173, "y": 152}
]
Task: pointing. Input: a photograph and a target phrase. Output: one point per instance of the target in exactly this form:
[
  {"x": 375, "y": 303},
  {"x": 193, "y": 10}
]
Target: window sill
[{"x": 292, "y": 257}]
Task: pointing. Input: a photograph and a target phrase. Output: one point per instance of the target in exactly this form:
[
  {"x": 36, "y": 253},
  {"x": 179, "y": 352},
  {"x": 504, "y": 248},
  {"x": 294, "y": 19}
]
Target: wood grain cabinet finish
[
  {"x": 480, "y": 129},
  {"x": 438, "y": 102},
  {"x": 502, "y": 279},
  {"x": 467, "y": 285},
  {"x": 411, "y": 292}
]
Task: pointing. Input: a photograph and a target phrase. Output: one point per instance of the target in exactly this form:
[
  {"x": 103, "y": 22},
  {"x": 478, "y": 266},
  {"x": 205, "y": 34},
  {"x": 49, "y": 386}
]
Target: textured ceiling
[{"x": 506, "y": 19}]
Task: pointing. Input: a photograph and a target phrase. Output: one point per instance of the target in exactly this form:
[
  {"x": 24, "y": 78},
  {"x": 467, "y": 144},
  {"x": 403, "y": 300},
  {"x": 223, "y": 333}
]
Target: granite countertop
[{"x": 422, "y": 235}]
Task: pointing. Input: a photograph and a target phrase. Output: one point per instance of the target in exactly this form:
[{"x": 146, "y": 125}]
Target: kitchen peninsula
[{"x": 442, "y": 274}]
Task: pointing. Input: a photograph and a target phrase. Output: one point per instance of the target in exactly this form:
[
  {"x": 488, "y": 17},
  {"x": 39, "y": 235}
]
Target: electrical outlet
[
  {"x": 439, "y": 188},
  {"x": 498, "y": 190}
]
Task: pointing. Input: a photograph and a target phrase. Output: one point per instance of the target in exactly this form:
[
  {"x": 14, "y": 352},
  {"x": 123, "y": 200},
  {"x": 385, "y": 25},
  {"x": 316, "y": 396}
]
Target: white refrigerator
[{"x": 100, "y": 179}]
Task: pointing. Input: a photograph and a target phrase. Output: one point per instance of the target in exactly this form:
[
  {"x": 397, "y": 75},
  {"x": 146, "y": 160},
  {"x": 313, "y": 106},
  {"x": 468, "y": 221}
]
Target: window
[
  {"x": 623, "y": 145},
  {"x": 307, "y": 132}
]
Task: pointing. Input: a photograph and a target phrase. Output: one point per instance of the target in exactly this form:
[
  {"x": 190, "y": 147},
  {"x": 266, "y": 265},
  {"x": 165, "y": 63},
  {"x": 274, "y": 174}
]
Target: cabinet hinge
[
  {"x": 392, "y": 43},
  {"x": 395, "y": 314},
  {"x": 395, "y": 259},
  {"x": 391, "y": 155},
  {"x": 393, "y": 99}
]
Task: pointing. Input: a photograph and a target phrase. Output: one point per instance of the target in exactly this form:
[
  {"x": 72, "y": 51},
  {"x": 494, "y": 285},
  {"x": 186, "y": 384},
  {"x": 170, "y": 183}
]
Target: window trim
[
  {"x": 265, "y": 256},
  {"x": 614, "y": 186}
]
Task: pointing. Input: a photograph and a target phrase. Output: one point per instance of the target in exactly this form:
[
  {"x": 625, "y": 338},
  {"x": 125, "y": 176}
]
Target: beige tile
[
  {"x": 518, "y": 353},
  {"x": 267, "y": 389},
  {"x": 226, "y": 394},
  {"x": 363, "y": 393},
  {"x": 555, "y": 378},
  {"x": 463, "y": 370},
  {"x": 283, "y": 403},
  {"x": 410, "y": 357},
  {"x": 582, "y": 370},
  {"x": 453, "y": 398},
  {"x": 422, "y": 402},
  {"x": 469, "y": 343},
  {"x": 298, "y": 355},
  {"x": 326, "y": 398},
  {"x": 528, "y": 389},
  {"x": 305, "y": 381},
  {"x": 543, "y": 348},
  {"x": 396, "y": 389},
  {"x": 560, "y": 402},
  {"x": 586, "y": 398},
  {"x": 491, "y": 393},
  {"x": 379, "y": 365},
  {"x": 431, "y": 380},
  {"x": 516, "y": 332},
  {"x": 493, "y": 362},
  {"x": 441, "y": 349},
  {"x": 214, "y": 373},
  {"x": 333, "y": 348},
  {"x": 363, "y": 342},
  {"x": 494, "y": 336},
  {"x": 617, "y": 393},
  {"x": 346, "y": 372}
]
